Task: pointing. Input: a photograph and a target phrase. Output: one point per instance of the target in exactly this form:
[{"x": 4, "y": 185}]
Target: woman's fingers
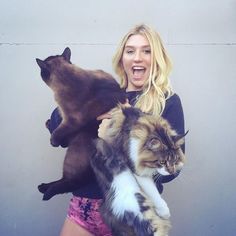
[
  {"x": 103, "y": 128},
  {"x": 106, "y": 115}
]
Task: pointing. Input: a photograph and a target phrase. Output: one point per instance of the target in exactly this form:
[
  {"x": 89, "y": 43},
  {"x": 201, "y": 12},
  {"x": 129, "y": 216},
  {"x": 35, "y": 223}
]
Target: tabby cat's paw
[{"x": 163, "y": 211}]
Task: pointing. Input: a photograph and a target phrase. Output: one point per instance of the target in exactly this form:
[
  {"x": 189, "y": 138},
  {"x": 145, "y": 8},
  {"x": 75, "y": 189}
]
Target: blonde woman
[{"x": 143, "y": 67}]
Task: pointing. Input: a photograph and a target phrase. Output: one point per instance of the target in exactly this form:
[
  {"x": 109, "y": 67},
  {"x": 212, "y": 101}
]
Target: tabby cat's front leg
[{"x": 148, "y": 186}]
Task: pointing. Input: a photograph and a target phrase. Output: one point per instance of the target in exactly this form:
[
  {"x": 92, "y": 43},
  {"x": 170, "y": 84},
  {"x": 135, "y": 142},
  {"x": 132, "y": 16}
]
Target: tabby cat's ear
[
  {"x": 41, "y": 64},
  {"x": 67, "y": 54},
  {"x": 179, "y": 139}
]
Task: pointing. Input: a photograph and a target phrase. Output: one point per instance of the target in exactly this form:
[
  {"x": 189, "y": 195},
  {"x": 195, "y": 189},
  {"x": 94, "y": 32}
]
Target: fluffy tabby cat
[
  {"x": 137, "y": 147},
  {"x": 82, "y": 96}
]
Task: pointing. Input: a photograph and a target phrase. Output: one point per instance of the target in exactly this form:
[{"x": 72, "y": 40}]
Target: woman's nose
[{"x": 138, "y": 56}]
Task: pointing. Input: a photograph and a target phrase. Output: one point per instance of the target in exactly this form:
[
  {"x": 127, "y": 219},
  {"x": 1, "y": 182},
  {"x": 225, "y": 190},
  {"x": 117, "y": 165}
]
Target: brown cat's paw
[
  {"x": 54, "y": 142},
  {"x": 43, "y": 188}
]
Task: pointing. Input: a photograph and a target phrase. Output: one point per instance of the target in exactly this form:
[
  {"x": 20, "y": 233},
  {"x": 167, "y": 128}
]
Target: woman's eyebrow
[
  {"x": 133, "y": 46},
  {"x": 129, "y": 46}
]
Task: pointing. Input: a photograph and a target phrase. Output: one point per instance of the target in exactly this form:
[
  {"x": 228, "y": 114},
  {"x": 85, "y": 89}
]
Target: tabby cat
[
  {"x": 135, "y": 148},
  {"x": 82, "y": 96}
]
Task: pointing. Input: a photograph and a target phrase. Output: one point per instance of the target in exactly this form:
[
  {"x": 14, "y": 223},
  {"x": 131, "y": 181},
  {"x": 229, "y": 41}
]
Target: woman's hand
[
  {"x": 106, "y": 118},
  {"x": 107, "y": 115}
]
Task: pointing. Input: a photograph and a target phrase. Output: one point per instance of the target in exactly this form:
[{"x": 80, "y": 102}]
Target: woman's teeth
[{"x": 138, "y": 70}]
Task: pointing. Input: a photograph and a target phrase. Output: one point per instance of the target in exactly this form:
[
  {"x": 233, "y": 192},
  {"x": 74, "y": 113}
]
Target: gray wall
[{"x": 201, "y": 38}]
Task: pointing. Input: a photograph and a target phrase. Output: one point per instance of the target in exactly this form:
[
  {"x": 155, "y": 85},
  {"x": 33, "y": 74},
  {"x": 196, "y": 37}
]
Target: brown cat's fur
[{"x": 82, "y": 96}]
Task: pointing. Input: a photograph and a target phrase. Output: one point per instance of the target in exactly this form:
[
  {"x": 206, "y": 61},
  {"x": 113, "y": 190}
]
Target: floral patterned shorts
[{"x": 85, "y": 212}]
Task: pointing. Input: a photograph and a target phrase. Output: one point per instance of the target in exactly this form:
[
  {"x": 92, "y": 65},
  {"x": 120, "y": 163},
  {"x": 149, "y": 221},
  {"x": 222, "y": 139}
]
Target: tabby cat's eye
[{"x": 162, "y": 162}]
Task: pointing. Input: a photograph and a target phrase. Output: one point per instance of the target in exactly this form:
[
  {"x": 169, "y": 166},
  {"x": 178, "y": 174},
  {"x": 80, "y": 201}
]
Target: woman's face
[{"x": 136, "y": 61}]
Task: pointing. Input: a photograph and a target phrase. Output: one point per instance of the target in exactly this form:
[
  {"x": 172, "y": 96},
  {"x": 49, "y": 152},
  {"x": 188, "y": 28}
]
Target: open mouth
[{"x": 138, "y": 71}]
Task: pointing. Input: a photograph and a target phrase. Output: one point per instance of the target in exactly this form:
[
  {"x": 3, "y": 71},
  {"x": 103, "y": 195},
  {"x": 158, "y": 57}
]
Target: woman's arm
[
  {"x": 173, "y": 113},
  {"x": 54, "y": 122}
]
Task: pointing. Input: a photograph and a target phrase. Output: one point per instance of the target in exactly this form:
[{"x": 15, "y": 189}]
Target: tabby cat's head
[{"x": 153, "y": 146}]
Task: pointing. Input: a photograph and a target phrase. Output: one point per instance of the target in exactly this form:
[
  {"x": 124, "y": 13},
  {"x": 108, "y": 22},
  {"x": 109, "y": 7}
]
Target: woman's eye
[
  {"x": 130, "y": 51},
  {"x": 147, "y": 51}
]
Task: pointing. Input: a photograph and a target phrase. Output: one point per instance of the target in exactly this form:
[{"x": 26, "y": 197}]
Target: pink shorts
[{"x": 85, "y": 212}]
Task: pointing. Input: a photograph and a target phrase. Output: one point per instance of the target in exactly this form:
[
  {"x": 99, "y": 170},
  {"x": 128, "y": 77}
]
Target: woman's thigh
[{"x": 70, "y": 228}]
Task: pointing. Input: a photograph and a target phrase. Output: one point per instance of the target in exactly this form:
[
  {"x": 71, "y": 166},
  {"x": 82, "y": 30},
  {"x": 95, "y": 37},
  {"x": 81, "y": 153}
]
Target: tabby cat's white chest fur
[{"x": 125, "y": 186}]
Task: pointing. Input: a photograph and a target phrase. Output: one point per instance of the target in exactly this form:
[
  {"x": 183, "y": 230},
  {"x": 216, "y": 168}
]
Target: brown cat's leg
[
  {"x": 68, "y": 128},
  {"x": 77, "y": 160},
  {"x": 57, "y": 187},
  {"x": 76, "y": 168},
  {"x": 61, "y": 134}
]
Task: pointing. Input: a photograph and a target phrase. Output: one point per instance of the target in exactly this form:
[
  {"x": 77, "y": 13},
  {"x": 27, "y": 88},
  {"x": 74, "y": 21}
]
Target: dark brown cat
[{"x": 82, "y": 96}]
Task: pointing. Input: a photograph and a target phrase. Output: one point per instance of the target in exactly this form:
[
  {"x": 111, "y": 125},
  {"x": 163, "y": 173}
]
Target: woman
[{"x": 143, "y": 66}]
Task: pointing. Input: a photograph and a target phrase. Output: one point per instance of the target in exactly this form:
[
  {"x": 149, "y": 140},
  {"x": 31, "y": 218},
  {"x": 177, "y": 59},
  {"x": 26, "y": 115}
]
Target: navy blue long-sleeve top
[{"x": 173, "y": 113}]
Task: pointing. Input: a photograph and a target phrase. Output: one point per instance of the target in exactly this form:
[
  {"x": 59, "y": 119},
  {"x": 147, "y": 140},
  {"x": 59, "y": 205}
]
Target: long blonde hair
[{"x": 157, "y": 88}]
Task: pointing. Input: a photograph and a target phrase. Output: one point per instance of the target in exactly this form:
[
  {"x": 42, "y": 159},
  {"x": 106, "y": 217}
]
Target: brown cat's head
[{"x": 52, "y": 63}]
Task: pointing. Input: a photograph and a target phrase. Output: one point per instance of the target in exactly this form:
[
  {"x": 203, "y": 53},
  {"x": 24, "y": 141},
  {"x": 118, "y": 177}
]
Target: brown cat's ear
[
  {"x": 41, "y": 64},
  {"x": 67, "y": 54}
]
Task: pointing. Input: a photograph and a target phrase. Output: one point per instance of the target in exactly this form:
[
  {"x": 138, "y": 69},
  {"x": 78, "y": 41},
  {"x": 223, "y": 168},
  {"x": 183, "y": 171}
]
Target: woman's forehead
[{"x": 137, "y": 40}]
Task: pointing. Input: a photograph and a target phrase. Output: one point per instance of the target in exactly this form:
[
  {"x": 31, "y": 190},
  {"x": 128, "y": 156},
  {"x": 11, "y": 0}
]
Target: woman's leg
[
  {"x": 70, "y": 228},
  {"x": 84, "y": 219}
]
